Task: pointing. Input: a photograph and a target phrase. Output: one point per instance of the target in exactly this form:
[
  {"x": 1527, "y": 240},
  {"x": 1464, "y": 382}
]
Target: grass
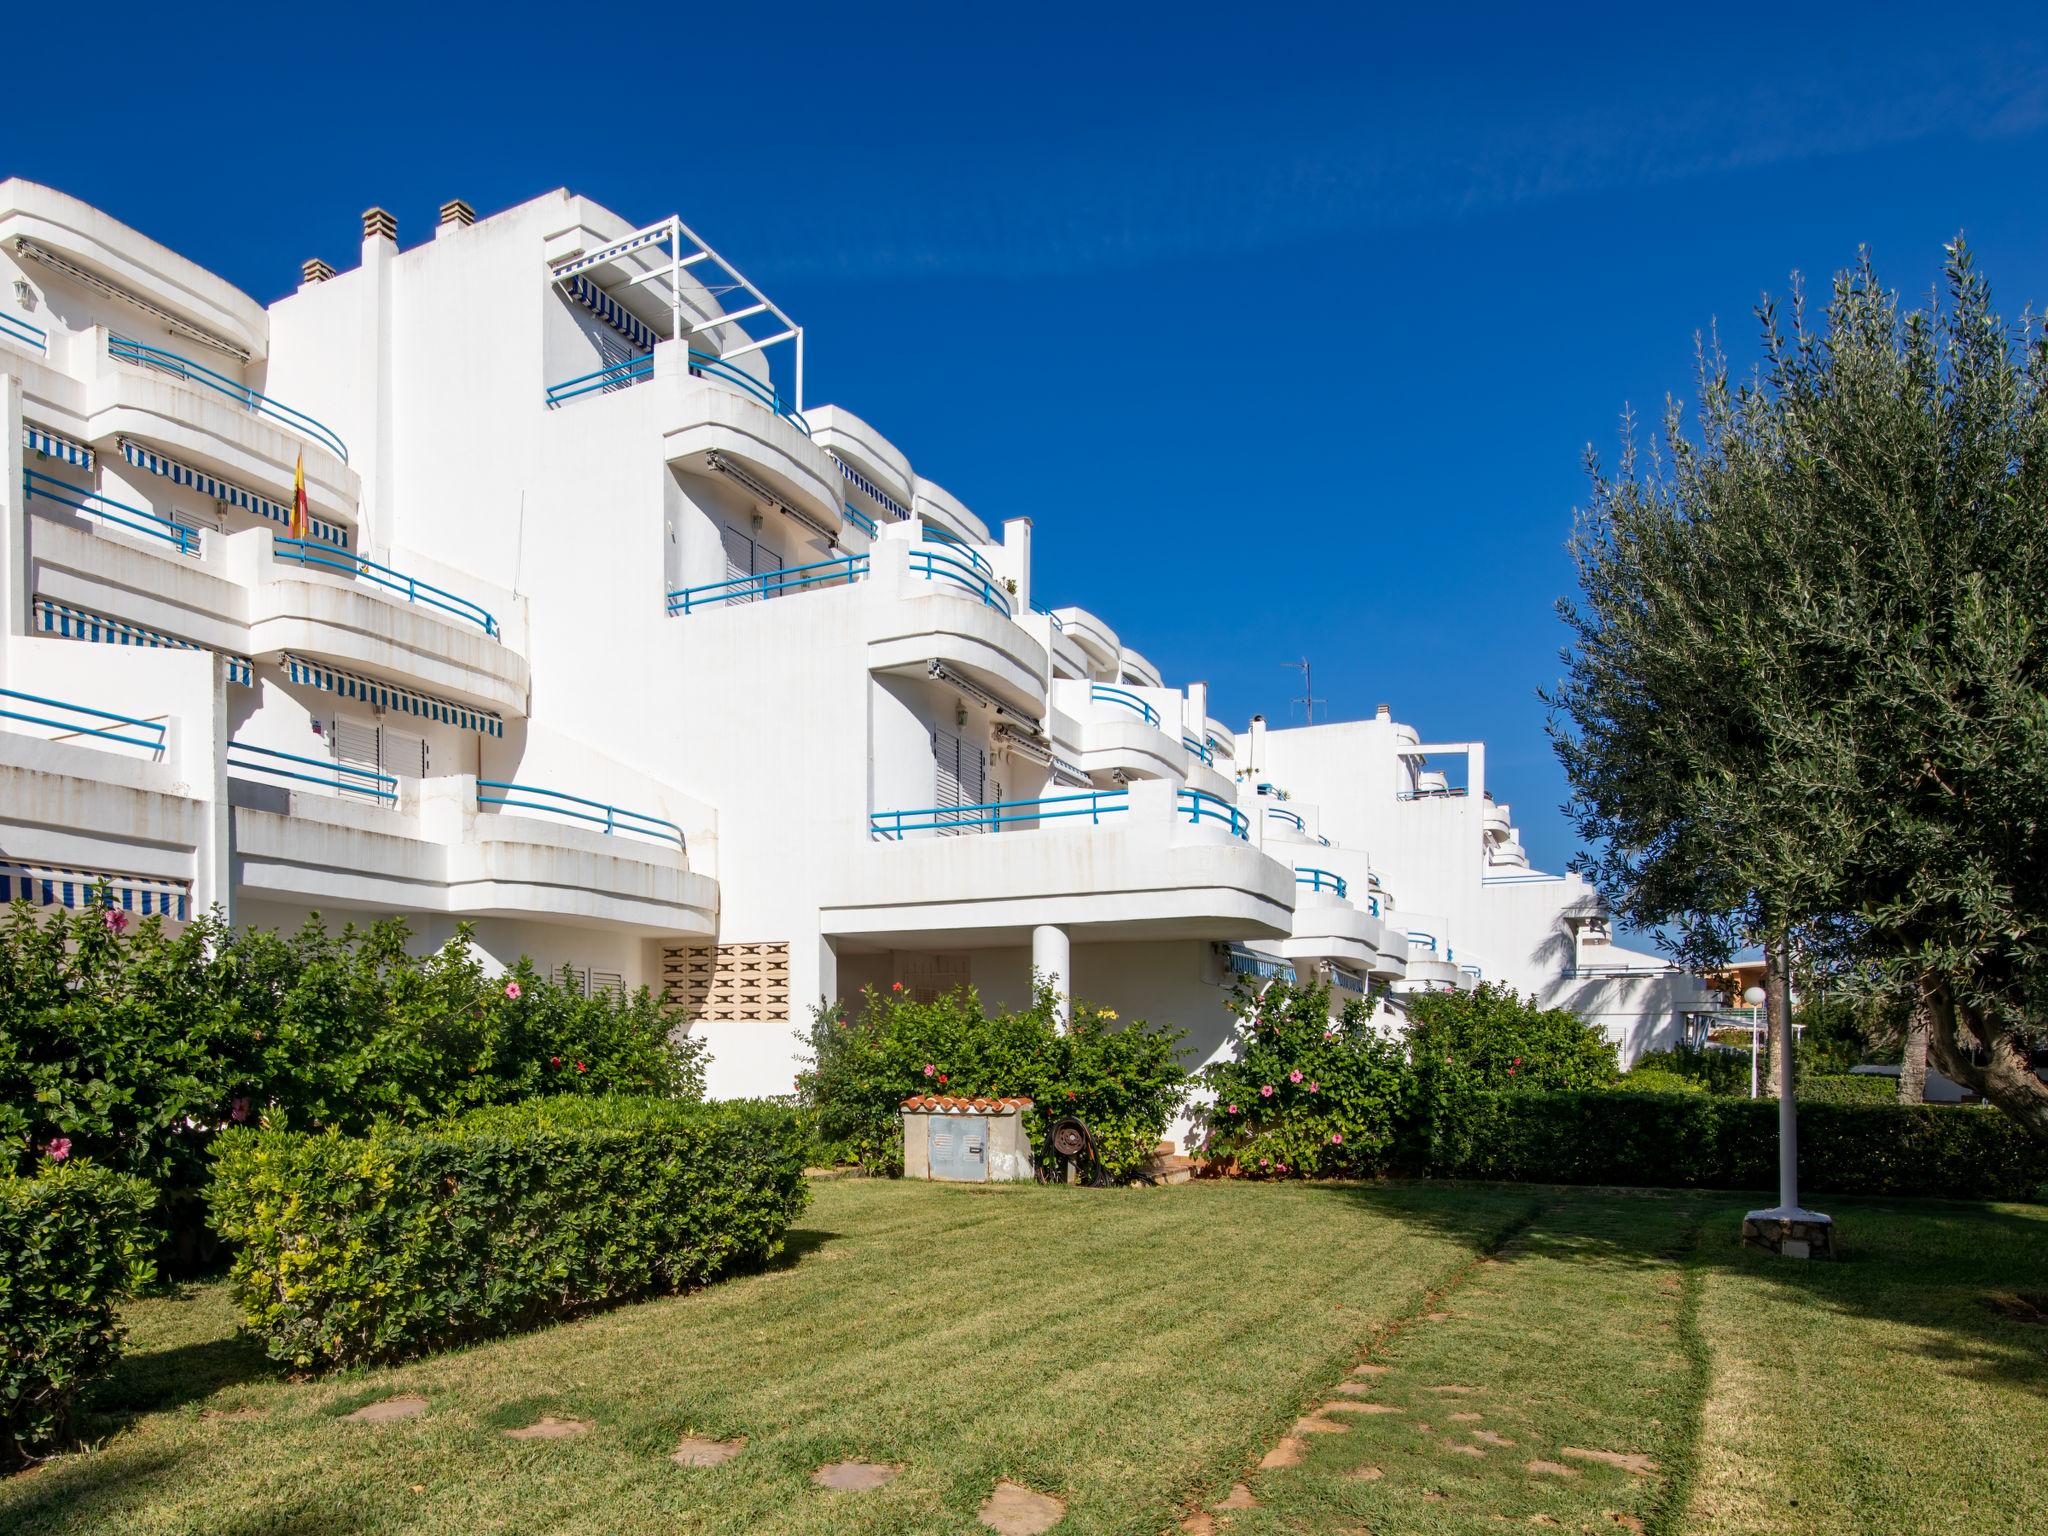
[{"x": 1135, "y": 1353}]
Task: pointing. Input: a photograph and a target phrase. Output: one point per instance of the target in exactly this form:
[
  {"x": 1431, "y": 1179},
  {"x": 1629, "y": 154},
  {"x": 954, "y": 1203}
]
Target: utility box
[{"x": 966, "y": 1141}]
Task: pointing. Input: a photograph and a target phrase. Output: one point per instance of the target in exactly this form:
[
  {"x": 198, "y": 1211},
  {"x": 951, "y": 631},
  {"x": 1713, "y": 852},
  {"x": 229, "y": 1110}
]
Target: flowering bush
[
  {"x": 1125, "y": 1081},
  {"x": 1303, "y": 1095},
  {"x": 73, "y": 1240},
  {"x": 130, "y": 1045},
  {"x": 363, "y": 1249}
]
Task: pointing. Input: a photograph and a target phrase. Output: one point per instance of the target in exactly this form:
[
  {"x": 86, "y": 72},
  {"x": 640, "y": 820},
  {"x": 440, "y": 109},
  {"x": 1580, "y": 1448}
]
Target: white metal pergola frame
[{"x": 686, "y": 248}]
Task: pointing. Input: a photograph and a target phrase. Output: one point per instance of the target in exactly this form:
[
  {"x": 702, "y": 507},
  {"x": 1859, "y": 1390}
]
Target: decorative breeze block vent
[{"x": 729, "y": 983}]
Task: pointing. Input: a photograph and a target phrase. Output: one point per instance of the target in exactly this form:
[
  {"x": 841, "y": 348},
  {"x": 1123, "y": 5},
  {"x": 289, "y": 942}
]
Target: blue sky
[{"x": 1287, "y": 325}]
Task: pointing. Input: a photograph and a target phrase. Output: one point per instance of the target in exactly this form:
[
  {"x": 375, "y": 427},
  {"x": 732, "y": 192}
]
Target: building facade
[{"x": 592, "y": 634}]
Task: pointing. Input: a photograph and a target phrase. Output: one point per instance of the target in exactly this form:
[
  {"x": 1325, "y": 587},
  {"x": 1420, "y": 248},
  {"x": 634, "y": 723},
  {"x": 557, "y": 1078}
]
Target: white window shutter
[
  {"x": 405, "y": 754},
  {"x": 356, "y": 745}
]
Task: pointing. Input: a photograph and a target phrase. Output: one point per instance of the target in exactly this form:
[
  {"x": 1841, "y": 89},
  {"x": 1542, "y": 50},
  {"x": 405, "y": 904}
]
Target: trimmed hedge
[
  {"x": 354, "y": 1249},
  {"x": 1680, "y": 1139},
  {"x": 73, "y": 1241}
]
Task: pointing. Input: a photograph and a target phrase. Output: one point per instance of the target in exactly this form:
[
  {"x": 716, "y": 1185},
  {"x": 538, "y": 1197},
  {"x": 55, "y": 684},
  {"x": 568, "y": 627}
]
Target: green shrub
[
  {"x": 1124, "y": 1080},
  {"x": 1722, "y": 1072},
  {"x": 137, "y": 1044},
  {"x": 1642, "y": 1079},
  {"x": 1491, "y": 1038},
  {"x": 357, "y": 1249},
  {"x": 1303, "y": 1096},
  {"x": 73, "y": 1240},
  {"x": 1675, "y": 1140},
  {"x": 1859, "y": 1088}
]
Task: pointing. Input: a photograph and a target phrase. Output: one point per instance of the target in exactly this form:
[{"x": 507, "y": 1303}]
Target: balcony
[
  {"x": 1097, "y": 641},
  {"x": 740, "y": 590},
  {"x": 1149, "y": 862},
  {"x": 34, "y": 337},
  {"x": 468, "y": 849},
  {"x": 183, "y": 369},
  {"x": 1327, "y": 927},
  {"x": 938, "y": 605}
]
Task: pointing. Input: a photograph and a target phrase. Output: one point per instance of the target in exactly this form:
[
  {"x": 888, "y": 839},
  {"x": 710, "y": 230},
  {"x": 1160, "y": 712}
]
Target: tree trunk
[
  {"x": 1913, "y": 1068},
  {"x": 1777, "y": 1005},
  {"x": 2005, "y": 1079}
]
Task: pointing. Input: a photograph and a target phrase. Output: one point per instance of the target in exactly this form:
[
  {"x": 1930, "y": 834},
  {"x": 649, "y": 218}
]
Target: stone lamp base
[{"x": 1795, "y": 1233}]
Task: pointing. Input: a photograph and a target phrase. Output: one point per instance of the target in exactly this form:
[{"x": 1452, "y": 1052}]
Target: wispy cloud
[{"x": 1260, "y": 174}]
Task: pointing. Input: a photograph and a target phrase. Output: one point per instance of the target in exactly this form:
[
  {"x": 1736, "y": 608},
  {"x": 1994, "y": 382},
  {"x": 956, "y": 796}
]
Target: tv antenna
[{"x": 1308, "y": 699}]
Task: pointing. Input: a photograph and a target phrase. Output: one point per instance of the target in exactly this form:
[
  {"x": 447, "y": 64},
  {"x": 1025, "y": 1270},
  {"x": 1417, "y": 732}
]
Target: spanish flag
[{"x": 299, "y": 512}]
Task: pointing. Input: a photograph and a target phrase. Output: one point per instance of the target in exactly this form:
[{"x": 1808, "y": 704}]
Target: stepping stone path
[
  {"x": 693, "y": 1452},
  {"x": 1551, "y": 1469},
  {"x": 389, "y": 1411},
  {"x": 855, "y": 1476},
  {"x": 1464, "y": 1450},
  {"x": 549, "y": 1429},
  {"x": 1466, "y": 1418},
  {"x": 1286, "y": 1454},
  {"x": 1488, "y": 1435},
  {"x": 1014, "y": 1510}
]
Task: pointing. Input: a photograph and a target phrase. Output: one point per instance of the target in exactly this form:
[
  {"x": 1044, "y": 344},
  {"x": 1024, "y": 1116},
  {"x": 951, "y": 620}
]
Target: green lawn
[{"x": 1135, "y": 1353}]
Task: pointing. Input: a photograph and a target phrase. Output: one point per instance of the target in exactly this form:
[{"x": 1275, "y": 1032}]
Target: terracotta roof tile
[{"x": 945, "y": 1104}]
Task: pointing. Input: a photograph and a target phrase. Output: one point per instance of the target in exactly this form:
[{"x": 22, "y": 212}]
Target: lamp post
[
  {"x": 1786, "y": 1228},
  {"x": 1754, "y": 997}
]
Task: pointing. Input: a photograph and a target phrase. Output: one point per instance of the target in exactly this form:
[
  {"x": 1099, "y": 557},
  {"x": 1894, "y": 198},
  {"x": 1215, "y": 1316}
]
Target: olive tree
[{"x": 1806, "y": 701}]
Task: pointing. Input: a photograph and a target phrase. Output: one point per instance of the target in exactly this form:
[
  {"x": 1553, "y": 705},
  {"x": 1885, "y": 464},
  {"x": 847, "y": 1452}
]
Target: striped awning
[
  {"x": 370, "y": 690},
  {"x": 610, "y": 311},
  {"x": 146, "y": 895},
  {"x": 76, "y": 624},
  {"x": 221, "y": 490},
  {"x": 50, "y": 446}
]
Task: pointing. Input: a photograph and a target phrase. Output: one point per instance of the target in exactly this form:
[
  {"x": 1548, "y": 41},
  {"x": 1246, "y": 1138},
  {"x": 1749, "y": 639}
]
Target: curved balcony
[
  {"x": 927, "y": 608},
  {"x": 305, "y": 599},
  {"x": 1123, "y": 698},
  {"x": 711, "y": 427},
  {"x": 1103, "y": 865},
  {"x": 1327, "y": 927},
  {"x": 434, "y": 849},
  {"x": 1321, "y": 880},
  {"x": 209, "y": 425},
  {"x": 934, "y": 505},
  {"x": 183, "y": 369},
  {"x": 814, "y": 576},
  {"x": 1098, "y": 642},
  {"x": 1136, "y": 669},
  {"x": 1132, "y": 748},
  {"x": 873, "y": 465},
  {"x": 963, "y": 568}
]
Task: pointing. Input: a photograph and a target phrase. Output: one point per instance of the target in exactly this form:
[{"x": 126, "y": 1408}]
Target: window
[
  {"x": 747, "y": 556},
  {"x": 962, "y": 778},
  {"x": 377, "y": 749}
]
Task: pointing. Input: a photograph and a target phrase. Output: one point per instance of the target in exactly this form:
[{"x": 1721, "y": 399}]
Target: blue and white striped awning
[
  {"x": 872, "y": 491},
  {"x": 610, "y": 311},
  {"x": 233, "y": 495},
  {"x": 370, "y": 690},
  {"x": 50, "y": 446},
  {"x": 76, "y": 624},
  {"x": 146, "y": 895}
]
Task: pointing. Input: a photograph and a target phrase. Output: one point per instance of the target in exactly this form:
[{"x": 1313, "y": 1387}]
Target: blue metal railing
[
  {"x": 332, "y": 774},
  {"x": 702, "y": 363},
  {"x": 890, "y": 826},
  {"x": 858, "y": 518},
  {"x": 1202, "y": 749},
  {"x": 125, "y": 729},
  {"x": 1200, "y": 805},
  {"x": 1372, "y": 905},
  {"x": 1247, "y": 962},
  {"x": 942, "y": 565},
  {"x": 1422, "y": 940},
  {"x": 1345, "y": 980},
  {"x": 1274, "y": 813},
  {"x": 1474, "y": 972},
  {"x": 748, "y": 589},
  {"x": 610, "y": 817},
  {"x": 1040, "y": 608},
  {"x": 1102, "y": 693},
  {"x": 21, "y": 330},
  {"x": 1429, "y": 794},
  {"x": 1321, "y": 880},
  {"x": 305, "y": 552},
  {"x": 34, "y": 484},
  {"x": 954, "y": 541},
  {"x": 616, "y": 376},
  {"x": 124, "y": 350}
]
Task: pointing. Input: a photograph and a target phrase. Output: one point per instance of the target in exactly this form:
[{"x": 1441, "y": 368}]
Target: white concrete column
[
  {"x": 14, "y": 580},
  {"x": 1052, "y": 958}
]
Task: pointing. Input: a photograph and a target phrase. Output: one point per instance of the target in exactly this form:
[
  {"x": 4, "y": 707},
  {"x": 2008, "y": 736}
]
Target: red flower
[
  {"x": 554, "y": 1061},
  {"x": 896, "y": 986},
  {"x": 942, "y": 1077},
  {"x": 579, "y": 1066}
]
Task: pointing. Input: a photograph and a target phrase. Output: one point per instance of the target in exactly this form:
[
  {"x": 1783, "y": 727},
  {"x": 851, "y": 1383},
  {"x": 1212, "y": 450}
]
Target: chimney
[
  {"x": 456, "y": 211},
  {"x": 377, "y": 222},
  {"x": 1384, "y": 713},
  {"x": 314, "y": 271}
]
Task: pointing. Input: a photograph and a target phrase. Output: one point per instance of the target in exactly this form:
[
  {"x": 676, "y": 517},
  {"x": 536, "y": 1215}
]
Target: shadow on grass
[
  {"x": 147, "y": 1382},
  {"x": 798, "y": 1244}
]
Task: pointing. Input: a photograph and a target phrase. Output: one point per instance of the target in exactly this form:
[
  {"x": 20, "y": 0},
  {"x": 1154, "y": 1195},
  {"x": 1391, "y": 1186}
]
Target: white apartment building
[{"x": 599, "y": 638}]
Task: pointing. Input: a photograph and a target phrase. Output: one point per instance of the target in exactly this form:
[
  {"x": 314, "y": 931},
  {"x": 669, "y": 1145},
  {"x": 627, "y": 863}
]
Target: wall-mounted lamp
[
  {"x": 23, "y": 293},
  {"x": 959, "y": 714},
  {"x": 757, "y": 522}
]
